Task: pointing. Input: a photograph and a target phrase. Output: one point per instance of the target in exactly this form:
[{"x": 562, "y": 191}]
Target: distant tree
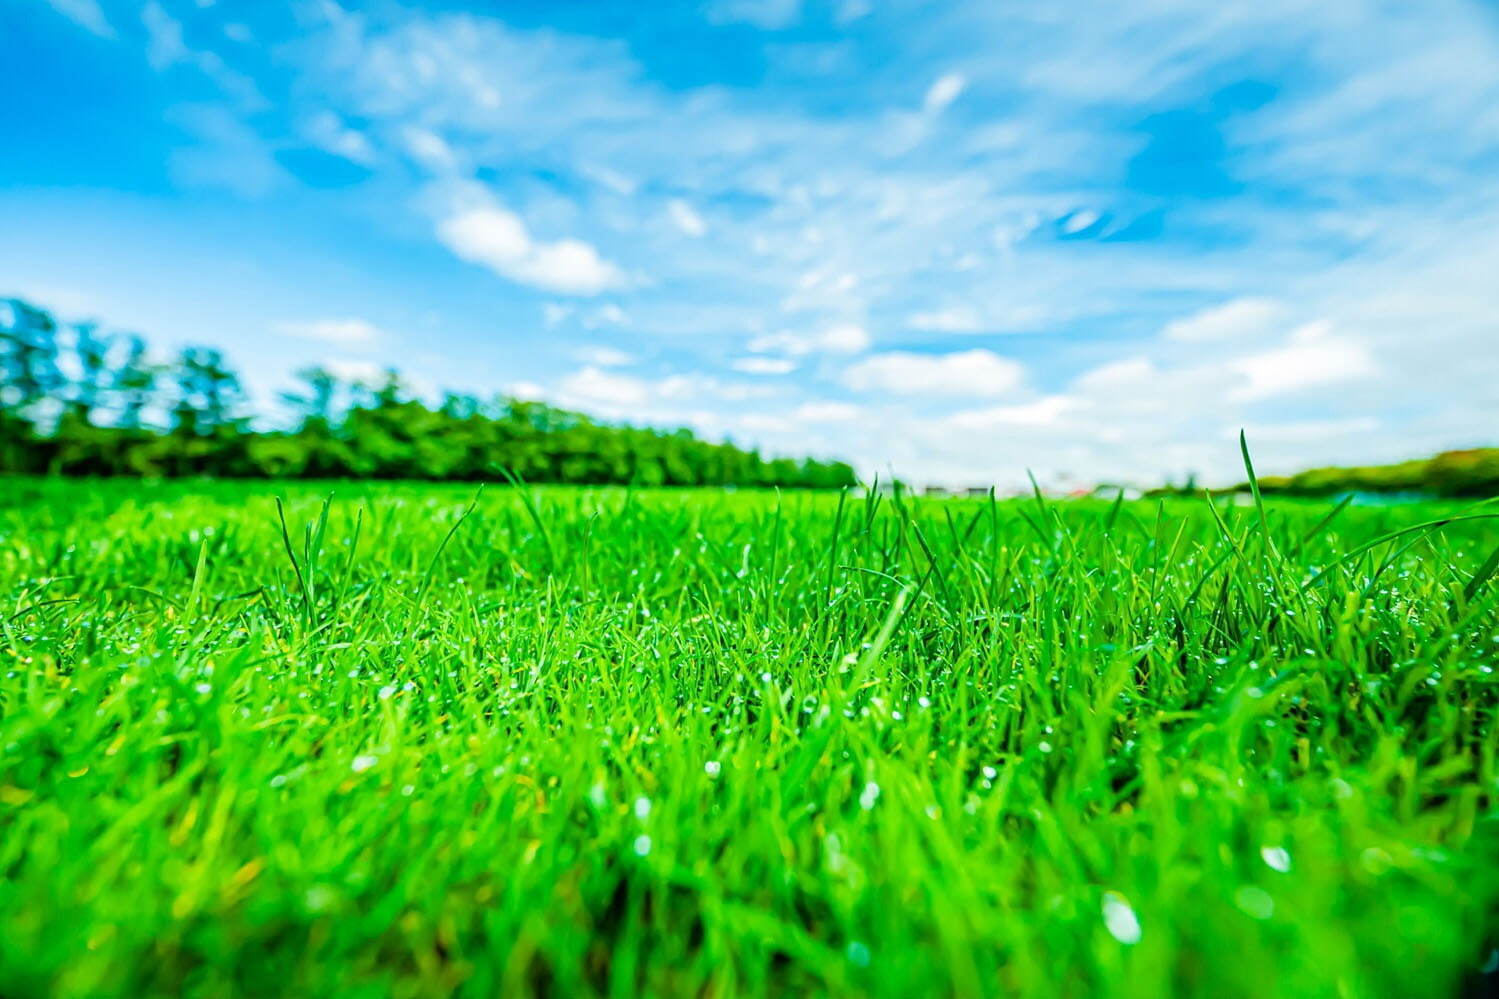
[
  {"x": 28, "y": 339},
  {"x": 81, "y": 403},
  {"x": 134, "y": 384},
  {"x": 315, "y": 402}
]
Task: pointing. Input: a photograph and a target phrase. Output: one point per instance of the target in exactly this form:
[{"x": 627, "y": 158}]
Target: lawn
[{"x": 578, "y": 742}]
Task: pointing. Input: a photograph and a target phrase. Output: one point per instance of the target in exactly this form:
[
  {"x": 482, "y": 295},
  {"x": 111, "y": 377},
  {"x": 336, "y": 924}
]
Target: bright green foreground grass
[{"x": 715, "y": 744}]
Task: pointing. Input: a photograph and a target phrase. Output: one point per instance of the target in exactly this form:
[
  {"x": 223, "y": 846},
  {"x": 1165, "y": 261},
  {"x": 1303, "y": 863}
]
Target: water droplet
[
  {"x": 870, "y": 796},
  {"x": 1277, "y": 858},
  {"x": 642, "y": 845},
  {"x": 363, "y": 763},
  {"x": 1120, "y": 920}
]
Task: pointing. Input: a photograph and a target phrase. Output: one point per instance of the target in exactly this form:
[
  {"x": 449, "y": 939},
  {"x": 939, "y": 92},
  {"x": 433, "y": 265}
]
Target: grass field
[{"x": 713, "y": 744}]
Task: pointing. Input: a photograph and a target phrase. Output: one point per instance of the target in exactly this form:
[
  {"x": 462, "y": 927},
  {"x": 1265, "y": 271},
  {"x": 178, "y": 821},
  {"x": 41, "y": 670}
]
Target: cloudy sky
[{"x": 954, "y": 239}]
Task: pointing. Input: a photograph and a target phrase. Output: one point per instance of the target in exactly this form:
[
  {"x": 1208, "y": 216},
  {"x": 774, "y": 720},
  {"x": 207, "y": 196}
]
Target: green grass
[{"x": 715, "y": 744}]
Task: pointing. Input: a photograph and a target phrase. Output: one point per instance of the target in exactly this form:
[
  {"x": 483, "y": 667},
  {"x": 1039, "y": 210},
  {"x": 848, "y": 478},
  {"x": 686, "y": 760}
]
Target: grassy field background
[{"x": 606, "y": 742}]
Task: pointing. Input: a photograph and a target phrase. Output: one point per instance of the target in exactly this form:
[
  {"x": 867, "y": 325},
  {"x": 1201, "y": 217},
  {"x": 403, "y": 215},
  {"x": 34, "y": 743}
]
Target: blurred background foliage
[
  {"x": 75, "y": 401},
  {"x": 1473, "y": 472}
]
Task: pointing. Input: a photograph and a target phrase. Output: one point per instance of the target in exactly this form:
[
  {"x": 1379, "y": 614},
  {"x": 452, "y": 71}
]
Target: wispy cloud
[
  {"x": 686, "y": 218},
  {"x": 326, "y": 131},
  {"x": 836, "y": 338},
  {"x": 768, "y": 14},
  {"x": 86, "y": 14},
  {"x": 944, "y": 90},
  {"x": 965, "y": 373},
  {"x": 477, "y": 228},
  {"x": 344, "y": 332}
]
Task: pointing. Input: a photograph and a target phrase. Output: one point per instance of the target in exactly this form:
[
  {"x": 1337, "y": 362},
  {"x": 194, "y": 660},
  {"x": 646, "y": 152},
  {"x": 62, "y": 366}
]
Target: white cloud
[
  {"x": 1080, "y": 221},
  {"x": 594, "y": 386},
  {"x": 959, "y": 319},
  {"x": 965, "y": 373},
  {"x": 849, "y": 11},
  {"x": 348, "y": 332},
  {"x": 1305, "y": 431},
  {"x": 826, "y": 412},
  {"x": 770, "y": 15},
  {"x": 526, "y": 390},
  {"x": 482, "y": 231},
  {"x": 358, "y": 371},
  {"x": 764, "y": 365},
  {"x": 611, "y": 179},
  {"x": 1312, "y": 357},
  {"x": 86, "y": 14},
  {"x": 604, "y": 357},
  {"x": 1122, "y": 375},
  {"x": 326, "y": 131},
  {"x": 686, "y": 218},
  {"x": 608, "y": 314},
  {"x": 944, "y": 90},
  {"x": 1239, "y": 319},
  {"x": 1041, "y": 413},
  {"x": 164, "y": 37},
  {"x": 166, "y": 48},
  {"x": 429, "y": 149},
  {"x": 617, "y": 395},
  {"x": 838, "y": 338}
]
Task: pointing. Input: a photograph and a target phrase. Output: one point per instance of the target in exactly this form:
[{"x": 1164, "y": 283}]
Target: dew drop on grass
[
  {"x": 858, "y": 953},
  {"x": 1120, "y": 920},
  {"x": 387, "y": 692},
  {"x": 363, "y": 763},
  {"x": 642, "y": 845},
  {"x": 712, "y": 768},
  {"x": 870, "y": 795},
  {"x": 1277, "y": 858},
  {"x": 642, "y": 808}
]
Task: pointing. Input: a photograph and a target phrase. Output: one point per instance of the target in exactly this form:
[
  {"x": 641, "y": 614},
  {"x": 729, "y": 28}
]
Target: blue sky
[{"x": 952, "y": 239}]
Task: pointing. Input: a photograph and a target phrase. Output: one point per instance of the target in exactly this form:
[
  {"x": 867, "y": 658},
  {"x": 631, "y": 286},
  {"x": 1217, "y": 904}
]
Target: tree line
[
  {"x": 1472, "y": 472},
  {"x": 77, "y": 401}
]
